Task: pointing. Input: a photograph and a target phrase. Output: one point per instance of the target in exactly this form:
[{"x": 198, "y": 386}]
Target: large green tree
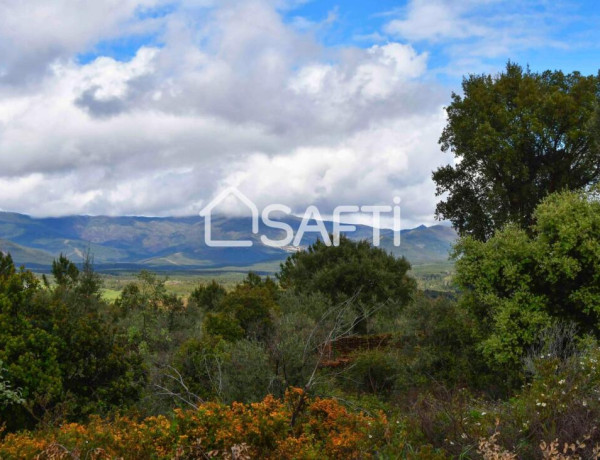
[
  {"x": 248, "y": 310},
  {"x": 355, "y": 270},
  {"x": 58, "y": 349},
  {"x": 517, "y": 283},
  {"x": 516, "y": 138}
]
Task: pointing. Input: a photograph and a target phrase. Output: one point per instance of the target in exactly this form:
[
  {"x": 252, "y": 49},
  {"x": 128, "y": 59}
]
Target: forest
[{"x": 341, "y": 355}]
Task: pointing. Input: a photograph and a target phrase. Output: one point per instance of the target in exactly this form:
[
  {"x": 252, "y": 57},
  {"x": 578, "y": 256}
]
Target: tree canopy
[
  {"x": 353, "y": 269},
  {"x": 516, "y": 137},
  {"x": 516, "y": 284},
  {"x": 57, "y": 353}
]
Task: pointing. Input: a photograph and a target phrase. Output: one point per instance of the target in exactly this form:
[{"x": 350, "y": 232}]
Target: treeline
[
  {"x": 66, "y": 353},
  {"x": 506, "y": 367}
]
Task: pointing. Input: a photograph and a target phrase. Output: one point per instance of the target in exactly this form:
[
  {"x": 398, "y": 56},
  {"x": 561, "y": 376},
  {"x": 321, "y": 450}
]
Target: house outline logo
[
  {"x": 207, "y": 211},
  {"x": 311, "y": 214}
]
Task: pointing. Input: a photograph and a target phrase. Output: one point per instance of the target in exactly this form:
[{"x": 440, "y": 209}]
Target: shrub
[
  {"x": 352, "y": 270},
  {"x": 372, "y": 371},
  {"x": 223, "y": 325},
  {"x": 253, "y": 306},
  {"x": 521, "y": 280},
  {"x": 208, "y": 296},
  {"x": 437, "y": 344},
  {"x": 58, "y": 349},
  {"x": 246, "y": 372},
  {"x": 325, "y": 429}
]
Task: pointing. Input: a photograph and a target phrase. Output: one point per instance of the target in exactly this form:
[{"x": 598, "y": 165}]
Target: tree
[
  {"x": 354, "y": 269},
  {"x": 223, "y": 325},
  {"x": 437, "y": 344},
  {"x": 208, "y": 296},
  {"x": 252, "y": 307},
  {"x": 65, "y": 272},
  {"x": 64, "y": 358},
  {"x": 517, "y": 283},
  {"x": 517, "y": 137},
  {"x": 149, "y": 306},
  {"x": 8, "y": 395},
  {"x": 80, "y": 289}
]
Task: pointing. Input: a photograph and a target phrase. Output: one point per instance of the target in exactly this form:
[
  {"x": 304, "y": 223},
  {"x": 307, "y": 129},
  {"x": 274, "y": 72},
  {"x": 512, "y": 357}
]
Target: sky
[{"x": 152, "y": 107}]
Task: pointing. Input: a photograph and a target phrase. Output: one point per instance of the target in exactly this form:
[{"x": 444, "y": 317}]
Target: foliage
[
  {"x": 291, "y": 349},
  {"x": 253, "y": 307},
  {"x": 294, "y": 370},
  {"x": 8, "y": 395},
  {"x": 65, "y": 359},
  {"x": 558, "y": 404},
  {"x": 65, "y": 272},
  {"x": 198, "y": 363},
  {"x": 437, "y": 344},
  {"x": 517, "y": 138},
  {"x": 261, "y": 430},
  {"x": 150, "y": 311},
  {"x": 561, "y": 400},
  {"x": 223, "y": 325},
  {"x": 516, "y": 284},
  {"x": 214, "y": 369},
  {"x": 372, "y": 371},
  {"x": 208, "y": 296},
  {"x": 353, "y": 270},
  {"x": 246, "y": 372}
]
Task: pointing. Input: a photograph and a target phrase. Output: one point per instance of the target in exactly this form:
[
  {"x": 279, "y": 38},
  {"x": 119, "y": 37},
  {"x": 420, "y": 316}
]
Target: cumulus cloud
[
  {"x": 219, "y": 100},
  {"x": 371, "y": 167},
  {"x": 437, "y": 20},
  {"x": 35, "y": 33},
  {"x": 472, "y": 33}
]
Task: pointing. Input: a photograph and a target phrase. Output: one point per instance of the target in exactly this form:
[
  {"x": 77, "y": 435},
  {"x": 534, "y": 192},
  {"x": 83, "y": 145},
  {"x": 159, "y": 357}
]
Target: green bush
[
  {"x": 59, "y": 350},
  {"x": 246, "y": 372},
  {"x": 371, "y": 371},
  {"x": 436, "y": 341},
  {"x": 213, "y": 369},
  {"x": 292, "y": 349},
  {"x": 8, "y": 394},
  {"x": 520, "y": 280},
  {"x": 223, "y": 325},
  {"x": 253, "y": 307},
  {"x": 356, "y": 271},
  {"x": 208, "y": 296}
]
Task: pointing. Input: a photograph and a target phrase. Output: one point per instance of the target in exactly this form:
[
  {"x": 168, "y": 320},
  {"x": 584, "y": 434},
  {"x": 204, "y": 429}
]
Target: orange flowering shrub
[{"x": 323, "y": 428}]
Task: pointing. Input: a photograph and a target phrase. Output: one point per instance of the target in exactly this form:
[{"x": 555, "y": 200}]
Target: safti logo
[{"x": 311, "y": 214}]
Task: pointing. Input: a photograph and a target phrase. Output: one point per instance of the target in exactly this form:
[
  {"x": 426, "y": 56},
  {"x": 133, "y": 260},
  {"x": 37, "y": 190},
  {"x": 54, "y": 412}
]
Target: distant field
[
  {"x": 180, "y": 284},
  {"x": 183, "y": 283},
  {"x": 436, "y": 276}
]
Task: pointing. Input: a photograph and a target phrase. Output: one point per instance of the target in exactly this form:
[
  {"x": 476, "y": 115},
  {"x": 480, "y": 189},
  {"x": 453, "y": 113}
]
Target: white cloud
[
  {"x": 222, "y": 101},
  {"x": 471, "y": 33},
  {"x": 371, "y": 167},
  {"x": 436, "y": 20},
  {"x": 376, "y": 75},
  {"x": 37, "y": 32}
]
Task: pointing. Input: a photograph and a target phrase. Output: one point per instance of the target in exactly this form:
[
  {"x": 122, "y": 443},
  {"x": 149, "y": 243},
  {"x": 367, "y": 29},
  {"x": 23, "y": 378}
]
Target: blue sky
[
  {"x": 566, "y": 33},
  {"x": 573, "y": 25},
  {"x": 152, "y": 107}
]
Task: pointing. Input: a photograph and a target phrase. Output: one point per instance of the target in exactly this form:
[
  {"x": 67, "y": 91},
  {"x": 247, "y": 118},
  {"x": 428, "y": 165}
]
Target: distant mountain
[{"x": 177, "y": 243}]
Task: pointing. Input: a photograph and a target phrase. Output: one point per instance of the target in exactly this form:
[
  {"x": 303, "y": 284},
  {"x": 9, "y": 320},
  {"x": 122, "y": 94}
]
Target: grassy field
[
  {"x": 436, "y": 277},
  {"x": 181, "y": 284},
  {"x": 431, "y": 276}
]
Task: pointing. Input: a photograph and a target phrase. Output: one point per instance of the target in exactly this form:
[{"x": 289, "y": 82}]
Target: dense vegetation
[
  {"x": 339, "y": 356},
  {"x": 518, "y": 136}
]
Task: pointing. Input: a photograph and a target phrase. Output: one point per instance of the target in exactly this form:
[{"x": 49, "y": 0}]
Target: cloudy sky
[{"x": 151, "y": 107}]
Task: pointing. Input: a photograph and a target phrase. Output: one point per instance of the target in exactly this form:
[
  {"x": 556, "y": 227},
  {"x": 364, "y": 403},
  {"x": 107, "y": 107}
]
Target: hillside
[{"x": 177, "y": 243}]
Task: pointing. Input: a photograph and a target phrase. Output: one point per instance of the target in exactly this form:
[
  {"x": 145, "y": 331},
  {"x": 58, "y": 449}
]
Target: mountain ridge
[{"x": 168, "y": 243}]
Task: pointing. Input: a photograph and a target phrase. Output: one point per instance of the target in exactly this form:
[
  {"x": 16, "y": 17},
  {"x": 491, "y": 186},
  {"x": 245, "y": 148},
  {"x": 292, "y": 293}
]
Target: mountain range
[{"x": 177, "y": 243}]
